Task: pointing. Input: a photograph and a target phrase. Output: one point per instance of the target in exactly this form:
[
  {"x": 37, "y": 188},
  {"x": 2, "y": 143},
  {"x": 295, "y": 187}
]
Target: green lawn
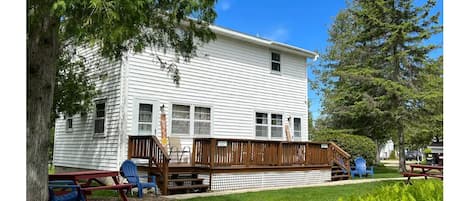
[
  {"x": 383, "y": 172},
  {"x": 324, "y": 193}
]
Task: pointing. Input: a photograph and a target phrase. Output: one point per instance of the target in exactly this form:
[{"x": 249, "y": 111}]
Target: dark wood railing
[
  {"x": 149, "y": 147},
  {"x": 239, "y": 152},
  {"x": 338, "y": 156}
]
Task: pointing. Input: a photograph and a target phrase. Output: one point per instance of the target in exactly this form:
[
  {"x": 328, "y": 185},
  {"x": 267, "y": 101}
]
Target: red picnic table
[
  {"x": 92, "y": 176},
  {"x": 425, "y": 171}
]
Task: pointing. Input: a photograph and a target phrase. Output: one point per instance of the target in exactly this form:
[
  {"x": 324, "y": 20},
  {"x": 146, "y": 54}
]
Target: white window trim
[
  {"x": 210, "y": 121},
  {"x": 191, "y": 119},
  {"x": 301, "y": 127},
  {"x": 279, "y": 62},
  {"x": 269, "y": 123},
  {"x": 282, "y": 136},
  {"x": 99, "y": 101},
  {"x": 155, "y": 114}
]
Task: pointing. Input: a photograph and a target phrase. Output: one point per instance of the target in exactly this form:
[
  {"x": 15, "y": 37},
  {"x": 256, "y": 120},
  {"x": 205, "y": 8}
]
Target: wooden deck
[{"x": 212, "y": 155}]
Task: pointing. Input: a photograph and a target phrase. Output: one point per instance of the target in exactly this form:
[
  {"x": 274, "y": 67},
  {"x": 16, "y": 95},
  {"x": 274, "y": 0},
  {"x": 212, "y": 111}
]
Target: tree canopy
[
  {"x": 376, "y": 69},
  {"x": 114, "y": 27}
]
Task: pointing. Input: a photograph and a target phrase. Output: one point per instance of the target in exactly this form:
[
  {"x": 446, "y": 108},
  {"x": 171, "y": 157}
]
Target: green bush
[
  {"x": 428, "y": 190},
  {"x": 392, "y": 155},
  {"x": 355, "y": 145}
]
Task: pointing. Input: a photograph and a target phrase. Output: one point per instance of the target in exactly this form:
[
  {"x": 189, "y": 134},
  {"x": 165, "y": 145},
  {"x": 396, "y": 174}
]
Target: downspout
[{"x": 122, "y": 110}]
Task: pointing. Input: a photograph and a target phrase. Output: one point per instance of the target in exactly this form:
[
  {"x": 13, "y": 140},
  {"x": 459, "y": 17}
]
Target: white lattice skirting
[{"x": 233, "y": 181}]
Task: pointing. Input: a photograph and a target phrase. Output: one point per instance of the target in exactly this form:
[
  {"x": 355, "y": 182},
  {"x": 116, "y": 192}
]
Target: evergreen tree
[{"x": 373, "y": 70}]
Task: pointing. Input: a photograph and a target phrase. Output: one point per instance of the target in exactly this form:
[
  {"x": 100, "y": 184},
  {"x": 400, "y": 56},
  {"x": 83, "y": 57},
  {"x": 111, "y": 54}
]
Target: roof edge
[{"x": 263, "y": 42}]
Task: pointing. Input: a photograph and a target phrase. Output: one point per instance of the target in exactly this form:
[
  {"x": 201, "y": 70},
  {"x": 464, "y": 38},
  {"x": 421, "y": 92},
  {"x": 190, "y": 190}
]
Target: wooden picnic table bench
[
  {"x": 92, "y": 176},
  {"x": 425, "y": 172}
]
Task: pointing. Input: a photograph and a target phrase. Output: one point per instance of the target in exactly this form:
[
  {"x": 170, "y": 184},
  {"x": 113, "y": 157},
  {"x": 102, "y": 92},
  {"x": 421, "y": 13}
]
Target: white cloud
[
  {"x": 225, "y": 5},
  {"x": 279, "y": 34}
]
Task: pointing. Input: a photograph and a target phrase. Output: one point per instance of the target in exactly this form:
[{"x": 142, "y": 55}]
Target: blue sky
[{"x": 302, "y": 23}]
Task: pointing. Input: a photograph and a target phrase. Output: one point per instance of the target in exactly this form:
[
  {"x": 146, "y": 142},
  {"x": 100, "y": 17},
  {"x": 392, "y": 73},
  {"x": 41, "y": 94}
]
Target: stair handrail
[
  {"x": 340, "y": 157},
  {"x": 150, "y": 148}
]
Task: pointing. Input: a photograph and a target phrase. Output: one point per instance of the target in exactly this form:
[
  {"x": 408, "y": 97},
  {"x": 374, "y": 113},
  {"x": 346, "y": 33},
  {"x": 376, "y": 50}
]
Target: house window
[
  {"x": 202, "y": 121},
  {"x": 262, "y": 127},
  {"x": 276, "y": 125},
  {"x": 69, "y": 124},
  {"x": 297, "y": 127},
  {"x": 99, "y": 118},
  {"x": 180, "y": 123},
  {"x": 275, "y": 62},
  {"x": 145, "y": 119}
]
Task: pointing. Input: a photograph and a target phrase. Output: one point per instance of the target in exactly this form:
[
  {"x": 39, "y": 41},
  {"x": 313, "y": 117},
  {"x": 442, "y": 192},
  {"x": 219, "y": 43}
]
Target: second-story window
[{"x": 275, "y": 62}]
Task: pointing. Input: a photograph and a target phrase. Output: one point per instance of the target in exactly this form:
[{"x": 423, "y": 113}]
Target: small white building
[{"x": 386, "y": 149}]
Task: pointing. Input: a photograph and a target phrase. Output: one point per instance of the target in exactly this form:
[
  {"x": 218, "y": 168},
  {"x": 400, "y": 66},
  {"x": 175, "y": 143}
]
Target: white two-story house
[{"x": 238, "y": 87}]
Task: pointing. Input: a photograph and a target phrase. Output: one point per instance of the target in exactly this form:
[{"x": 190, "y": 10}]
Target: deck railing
[
  {"x": 149, "y": 147},
  {"x": 238, "y": 152},
  {"x": 338, "y": 156}
]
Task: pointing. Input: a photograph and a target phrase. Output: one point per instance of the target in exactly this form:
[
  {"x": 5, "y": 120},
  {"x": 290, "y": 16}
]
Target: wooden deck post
[
  {"x": 306, "y": 153},
  {"x": 249, "y": 154},
  {"x": 213, "y": 143},
  {"x": 193, "y": 153},
  {"x": 129, "y": 148},
  {"x": 279, "y": 153}
]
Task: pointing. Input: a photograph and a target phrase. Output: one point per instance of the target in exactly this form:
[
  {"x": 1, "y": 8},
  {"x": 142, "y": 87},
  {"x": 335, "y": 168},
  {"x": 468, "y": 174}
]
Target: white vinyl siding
[
  {"x": 82, "y": 148},
  {"x": 231, "y": 77}
]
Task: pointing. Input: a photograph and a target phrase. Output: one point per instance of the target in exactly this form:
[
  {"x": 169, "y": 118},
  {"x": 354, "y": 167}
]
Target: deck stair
[{"x": 338, "y": 174}]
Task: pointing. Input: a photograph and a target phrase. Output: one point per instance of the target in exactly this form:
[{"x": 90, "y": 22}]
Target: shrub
[
  {"x": 392, "y": 155},
  {"x": 355, "y": 145},
  {"x": 428, "y": 190}
]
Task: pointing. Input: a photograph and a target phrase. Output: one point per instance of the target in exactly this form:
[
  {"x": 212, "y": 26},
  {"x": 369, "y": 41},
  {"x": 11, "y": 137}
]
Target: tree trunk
[
  {"x": 400, "y": 133},
  {"x": 378, "y": 159},
  {"x": 42, "y": 55}
]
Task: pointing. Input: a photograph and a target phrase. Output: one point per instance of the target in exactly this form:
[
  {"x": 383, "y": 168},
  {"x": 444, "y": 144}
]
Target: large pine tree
[{"x": 373, "y": 66}]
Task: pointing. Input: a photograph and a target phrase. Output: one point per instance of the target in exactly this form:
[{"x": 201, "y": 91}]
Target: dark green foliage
[
  {"x": 392, "y": 155},
  {"x": 375, "y": 72},
  {"x": 74, "y": 90},
  {"x": 428, "y": 190},
  {"x": 355, "y": 145}
]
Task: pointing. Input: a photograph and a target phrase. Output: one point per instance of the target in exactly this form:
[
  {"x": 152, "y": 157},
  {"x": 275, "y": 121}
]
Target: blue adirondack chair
[
  {"x": 129, "y": 171},
  {"x": 361, "y": 169},
  {"x": 73, "y": 195}
]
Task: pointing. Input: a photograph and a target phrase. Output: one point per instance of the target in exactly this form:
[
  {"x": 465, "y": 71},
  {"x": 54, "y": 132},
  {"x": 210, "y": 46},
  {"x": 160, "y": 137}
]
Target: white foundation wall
[{"x": 234, "y": 181}]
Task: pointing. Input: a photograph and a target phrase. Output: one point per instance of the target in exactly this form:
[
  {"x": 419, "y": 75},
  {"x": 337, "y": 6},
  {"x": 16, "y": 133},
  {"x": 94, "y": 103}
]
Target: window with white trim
[
  {"x": 180, "y": 123},
  {"x": 99, "y": 119},
  {"x": 262, "y": 125},
  {"x": 276, "y": 126},
  {"x": 275, "y": 62},
  {"x": 145, "y": 119},
  {"x": 69, "y": 124},
  {"x": 202, "y": 121},
  {"x": 297, "y": 127}
]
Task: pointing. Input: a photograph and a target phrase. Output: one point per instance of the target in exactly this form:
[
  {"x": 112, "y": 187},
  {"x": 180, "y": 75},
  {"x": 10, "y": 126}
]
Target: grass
[
  {"x": 324, "y": 193},
  {"x": 383, "y": 172}
]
